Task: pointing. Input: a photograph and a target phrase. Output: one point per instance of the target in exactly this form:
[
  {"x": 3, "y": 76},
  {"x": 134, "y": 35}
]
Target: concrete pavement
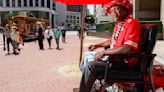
[
  {"x": 48, "y": 70},
  {"x": 35, "y": 70},
  {"x": 159, "y": 50},
  {"x": 41, "y": 71}
]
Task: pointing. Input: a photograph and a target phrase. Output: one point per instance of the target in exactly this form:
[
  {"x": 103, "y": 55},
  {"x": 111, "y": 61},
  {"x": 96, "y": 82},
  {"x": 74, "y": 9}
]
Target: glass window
[
  {"x": 67, "y": 16},
  {"x": 19, "y": 3},
  {"x": 70, "y": 17},
  {"x": 48, "y": 3},
  {"x": 31, "y": 2},
  {"x": 42, "y": 3},
  {"x": 25, "y": 2},
  {"x": 13, "y": 3},
  {"x": 77, "y": 17},
  {"x": 36, "y": 3},
  {"x": 74, "y": 21},
  {"x": 1, "y": 3},
  {"x": 74, "y": 17},
  {"x": 7, "y": 3}
]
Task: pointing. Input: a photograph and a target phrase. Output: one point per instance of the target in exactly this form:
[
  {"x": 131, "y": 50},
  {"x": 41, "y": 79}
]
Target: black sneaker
[
  {"x": 19, "y": 50},
  {"x": 15, "y": 53},
  {"x": 41, "y": 49},
  {"x": 8, "y": 53}
]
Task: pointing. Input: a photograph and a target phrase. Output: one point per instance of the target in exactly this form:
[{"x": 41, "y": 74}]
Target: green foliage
[
  {"x": 90, "y": 19},
  {"x": 109, "y": 26},
  {"x": 11, "y": 14},
  {"x": 106, "y": 27}
]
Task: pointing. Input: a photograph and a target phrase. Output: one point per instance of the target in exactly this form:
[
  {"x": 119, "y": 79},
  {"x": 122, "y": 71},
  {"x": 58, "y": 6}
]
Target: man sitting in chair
[{"x": 126, "y": 39}]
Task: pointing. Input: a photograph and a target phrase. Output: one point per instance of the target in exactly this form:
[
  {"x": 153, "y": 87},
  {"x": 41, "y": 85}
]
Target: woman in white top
[{"x": 48, "y": 36}]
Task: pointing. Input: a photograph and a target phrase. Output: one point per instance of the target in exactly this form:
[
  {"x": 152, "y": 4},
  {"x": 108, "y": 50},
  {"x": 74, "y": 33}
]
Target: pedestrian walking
[
  {"x": 15, "y": 39},
  {"x": 40, "y": 37},
  {"x": 7, "y": 35},
  {"x": 57, "y": 33},
  {"x": 63, "y": 30},
  {"x": 4, "y": 44},
  {"x": 79, "y": 31},
  {"x": 48, "y": 36}
]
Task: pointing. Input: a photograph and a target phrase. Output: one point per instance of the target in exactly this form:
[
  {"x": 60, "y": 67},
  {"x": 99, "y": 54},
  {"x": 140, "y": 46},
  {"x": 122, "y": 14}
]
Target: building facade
[
  {"x": 70, "y": 15},
  {"x": 101, "y": 16},
  {"x": 43, "y": 9},
  {"x": 54, "y": 12},
  {"x": 147, "y": 10},
  {"x": 144, "y": 10}
]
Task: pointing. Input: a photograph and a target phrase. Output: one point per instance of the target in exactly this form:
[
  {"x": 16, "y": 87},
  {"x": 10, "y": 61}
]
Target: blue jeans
[
  {"x": 57, "y": 42},
  {"x": 9, "y": 41}
]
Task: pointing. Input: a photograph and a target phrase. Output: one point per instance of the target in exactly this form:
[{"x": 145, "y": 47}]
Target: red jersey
[{"x": 127, "y": 33}]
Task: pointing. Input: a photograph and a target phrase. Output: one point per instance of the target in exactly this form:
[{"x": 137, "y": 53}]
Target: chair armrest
[{"x": 143, "y": 55}]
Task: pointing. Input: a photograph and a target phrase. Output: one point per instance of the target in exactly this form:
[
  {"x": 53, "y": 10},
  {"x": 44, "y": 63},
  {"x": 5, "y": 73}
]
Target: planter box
[
  {"x": 102, "y": 28},
  {"x": 100, "y": 34}
]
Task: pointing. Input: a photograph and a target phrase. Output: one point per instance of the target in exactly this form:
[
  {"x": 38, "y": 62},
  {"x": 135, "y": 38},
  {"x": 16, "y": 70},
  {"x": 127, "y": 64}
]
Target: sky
[{"x": 91, "y": 9}]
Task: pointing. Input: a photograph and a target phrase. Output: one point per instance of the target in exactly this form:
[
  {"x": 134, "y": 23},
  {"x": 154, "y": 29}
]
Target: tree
[
  {"x": 10, "y": 15},
  {"x": 32, "y": 14},
  {"x": 90, "y": 19}
]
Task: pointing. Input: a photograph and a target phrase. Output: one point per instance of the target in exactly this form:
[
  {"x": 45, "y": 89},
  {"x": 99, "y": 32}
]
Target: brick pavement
[
  {"x": 37, "y": 71},
  {"x": 43, "y": 71}
]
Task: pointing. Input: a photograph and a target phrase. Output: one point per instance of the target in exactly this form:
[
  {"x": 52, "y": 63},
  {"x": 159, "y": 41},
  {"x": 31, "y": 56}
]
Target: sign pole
[{"x": 82, "y": 32}]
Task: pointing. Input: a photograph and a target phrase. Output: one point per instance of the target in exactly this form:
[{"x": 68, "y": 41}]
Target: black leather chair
[{"x": 145, "y": 63}]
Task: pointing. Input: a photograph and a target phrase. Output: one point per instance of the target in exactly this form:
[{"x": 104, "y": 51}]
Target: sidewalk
[
  {"x": 159, "y": 50},
  {"x": 49, "y": 70},
  {"x": 41, "y": 71}
]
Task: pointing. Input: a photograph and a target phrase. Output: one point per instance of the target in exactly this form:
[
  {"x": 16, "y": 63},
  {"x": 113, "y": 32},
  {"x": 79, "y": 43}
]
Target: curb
[{"x": 159, "y": 59}]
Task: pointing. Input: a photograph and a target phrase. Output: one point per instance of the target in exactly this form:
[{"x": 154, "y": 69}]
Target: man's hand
[
  {"x": 98, "y": 55},
  {"x": 91, "y": 47}
]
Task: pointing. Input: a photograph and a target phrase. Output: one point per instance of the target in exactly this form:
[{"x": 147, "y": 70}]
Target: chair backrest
[{"x": 149, "y": 32}]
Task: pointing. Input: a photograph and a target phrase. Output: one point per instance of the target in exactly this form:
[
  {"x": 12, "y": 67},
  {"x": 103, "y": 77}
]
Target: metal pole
[{"x": 82, "y": 32}]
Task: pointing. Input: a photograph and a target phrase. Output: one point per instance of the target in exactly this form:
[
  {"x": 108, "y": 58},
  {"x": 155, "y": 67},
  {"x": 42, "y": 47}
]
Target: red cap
[{"x": 125, "y": 3}]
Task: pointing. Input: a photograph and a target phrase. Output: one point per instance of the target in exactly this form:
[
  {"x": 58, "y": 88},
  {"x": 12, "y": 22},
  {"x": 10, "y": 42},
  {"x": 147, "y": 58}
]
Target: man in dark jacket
[{"x": 40, "y": 37}]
